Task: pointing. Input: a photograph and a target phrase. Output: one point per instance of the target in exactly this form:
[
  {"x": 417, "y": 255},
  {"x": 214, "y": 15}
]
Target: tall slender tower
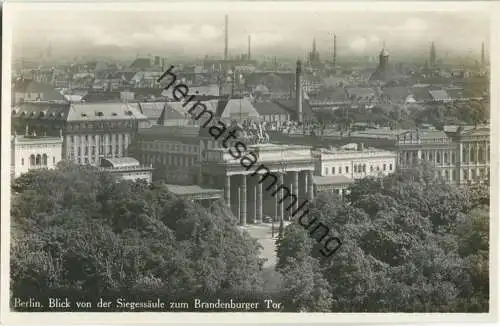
[
  {"x": 334, "y": 49},
  {"x": 249, "y": 43},
  {"x": 226, "y": 37},
  {"x": 432, "y": 55},
  {"x": 482, "y": 54},
  {"x": 298, "y": 91}
]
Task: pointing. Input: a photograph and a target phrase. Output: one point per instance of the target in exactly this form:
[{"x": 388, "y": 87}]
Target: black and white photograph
[{"x": 213, "y": 159}]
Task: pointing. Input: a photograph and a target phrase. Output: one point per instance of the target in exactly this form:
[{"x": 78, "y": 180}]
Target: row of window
[
  {"x": 359, "y": 168},
  {"x": 169, "y": 146},
  {"x": 38, "y": 160},
  {"x": 101, "y": 125},
  {"x": 94, "y": 139},
  {"x": 412, "y": 157},
  {"x": 84, "y": 151},
  {"x": 173, "y": 160}
]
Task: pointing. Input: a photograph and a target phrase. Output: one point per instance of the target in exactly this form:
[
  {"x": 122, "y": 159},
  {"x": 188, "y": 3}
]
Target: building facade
[
  {"x": 32, "y": 152},
  {"x": 354, "y": 161},
  {"x": 461, "y": 154},
  {"x": 90, "y": 131}
]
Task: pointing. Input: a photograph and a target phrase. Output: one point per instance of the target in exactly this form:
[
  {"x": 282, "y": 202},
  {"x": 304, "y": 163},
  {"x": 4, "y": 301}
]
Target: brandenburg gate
[{"x": 250, "y": 190}]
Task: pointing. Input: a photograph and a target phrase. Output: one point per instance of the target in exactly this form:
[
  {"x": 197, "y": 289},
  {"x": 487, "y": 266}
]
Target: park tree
[
  {"x": 84, "y": 232},
  {"x": 410, "y": 243}
]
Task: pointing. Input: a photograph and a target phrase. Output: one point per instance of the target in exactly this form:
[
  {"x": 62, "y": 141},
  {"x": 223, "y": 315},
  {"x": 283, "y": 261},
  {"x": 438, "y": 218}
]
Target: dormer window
[
  {"x": 99, "y": 114},
  {"x": 84, "y": 115},
  {"x": 114, "y": 114}
]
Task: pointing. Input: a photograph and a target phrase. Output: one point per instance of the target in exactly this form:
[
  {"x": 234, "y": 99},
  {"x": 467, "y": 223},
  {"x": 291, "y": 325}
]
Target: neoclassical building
[
  {"x": 335, "y": 169},
  {"x": 31, "y": 152},
  {"x": 250, "y": 192},
  {"x": 461, "y": 154},
  {"x": 90, "y": 131}
]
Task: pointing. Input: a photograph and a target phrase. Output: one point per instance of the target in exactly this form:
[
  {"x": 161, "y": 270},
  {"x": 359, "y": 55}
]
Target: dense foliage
[
  {"x": 410, "y": 244},
  {"x": 83, "y": 232}
]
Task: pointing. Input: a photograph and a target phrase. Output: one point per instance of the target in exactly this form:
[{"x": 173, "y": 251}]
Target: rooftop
[
  {"x": 35, "y": 139},
  {"x": 119, "y": 162},
  {"x": 332, "y": 180},
  {"x": 104, "y": 111},
  {"x": 181, "y": 190}
]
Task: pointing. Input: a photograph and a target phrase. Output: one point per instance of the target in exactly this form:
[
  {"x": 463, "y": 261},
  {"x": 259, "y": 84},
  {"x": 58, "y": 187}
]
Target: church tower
[{"x": 383, "y": 58}]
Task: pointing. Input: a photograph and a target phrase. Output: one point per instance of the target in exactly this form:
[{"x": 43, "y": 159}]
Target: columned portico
[
  {"x": 310, "y": 186},
  {"x": 279, "y": 196},
  {"x": 259, "y": 202},
  {"x": 243, "y": 200},
  {"x": 295, "y": 178},
  {"x": 227, "y": 191},
  {"x": 269, "y": 188}
]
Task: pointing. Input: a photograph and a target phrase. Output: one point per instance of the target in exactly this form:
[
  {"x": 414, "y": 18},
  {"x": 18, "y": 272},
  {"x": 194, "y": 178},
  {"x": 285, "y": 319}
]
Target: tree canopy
[
  {"x": 409, "y": 244},
  {"x": 77, "y": 230}
]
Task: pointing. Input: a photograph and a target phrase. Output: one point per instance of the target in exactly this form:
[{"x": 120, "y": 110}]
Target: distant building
[
  {"x": 126, "y": 168},
  {"x": 461, "y": 154},
  {"x": 354, "y": 161},
  {"x": 336, "y": 168},
  {"x": 32, "y": 152},
  {"x": 314, "y": 60},
  {"x": 384, "y": 72},
  {"x": 141, "y": 63},
  {"x": 25, "y": 90}
]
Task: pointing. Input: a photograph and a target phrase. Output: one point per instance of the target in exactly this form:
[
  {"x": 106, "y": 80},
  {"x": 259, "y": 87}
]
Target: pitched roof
[
  {"x": 104, "y": 111},
  {"x": 291, "y": 107},
  {"x": 47, "y": 92},
  {"x": 266, "y": 108},
  {"x": 97, "y": 96},
  {"x": 236, "y": 107},
  {"x": 152, "y": 110},
  {"x": 41, "y": 111},
  {"x": 141, "y": 63}
]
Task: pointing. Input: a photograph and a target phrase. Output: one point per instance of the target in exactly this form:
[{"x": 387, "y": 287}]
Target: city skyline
[{"x": 290, "y": 33}]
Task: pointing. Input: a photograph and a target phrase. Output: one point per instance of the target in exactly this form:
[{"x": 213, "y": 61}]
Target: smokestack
[
  {"x": 334, "y": 49},
  {"x": 482, "y": 54},
  {"x": 249, "y": 43},
  {"x": 226, "y": 38},
  {"x": 298, "y": 91}
]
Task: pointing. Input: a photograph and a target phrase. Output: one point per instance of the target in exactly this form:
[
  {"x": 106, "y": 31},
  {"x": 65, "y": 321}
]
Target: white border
[{"x": 9, "y": 10}]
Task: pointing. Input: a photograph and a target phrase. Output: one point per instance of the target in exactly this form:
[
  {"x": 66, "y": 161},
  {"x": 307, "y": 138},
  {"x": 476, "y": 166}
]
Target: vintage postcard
[{"x": 250, "y": 162}]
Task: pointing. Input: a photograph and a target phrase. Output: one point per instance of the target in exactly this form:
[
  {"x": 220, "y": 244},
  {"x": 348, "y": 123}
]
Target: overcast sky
[{"x": 195, "y": 34}]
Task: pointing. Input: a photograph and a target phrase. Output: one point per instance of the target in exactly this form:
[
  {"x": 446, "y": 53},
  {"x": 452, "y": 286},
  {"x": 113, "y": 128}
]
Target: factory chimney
[
  {"x": 298, "y": 91},
  {"x": 249, "y": 44},
  {"x": 334, "y": 49},
  {"x": 482, "y": 54},
  {"x": 226, "y": 38}
]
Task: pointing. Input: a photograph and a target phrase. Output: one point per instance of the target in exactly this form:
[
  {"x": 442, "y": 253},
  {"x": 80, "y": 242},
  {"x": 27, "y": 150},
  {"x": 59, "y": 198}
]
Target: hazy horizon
[{"x": 196, "y": 34}]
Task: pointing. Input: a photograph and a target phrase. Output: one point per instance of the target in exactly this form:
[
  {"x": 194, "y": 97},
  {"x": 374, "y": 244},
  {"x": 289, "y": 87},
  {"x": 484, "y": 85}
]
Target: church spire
[{"x": 314, "y": 45}]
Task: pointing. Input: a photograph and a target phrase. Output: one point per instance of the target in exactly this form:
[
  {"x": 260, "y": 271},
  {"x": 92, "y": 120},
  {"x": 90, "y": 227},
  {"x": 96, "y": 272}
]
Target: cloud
[
  {"x": 358, "y": 44},
  {"x": 414, "y": 25},
  {"x": 210, "y": 32}
]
